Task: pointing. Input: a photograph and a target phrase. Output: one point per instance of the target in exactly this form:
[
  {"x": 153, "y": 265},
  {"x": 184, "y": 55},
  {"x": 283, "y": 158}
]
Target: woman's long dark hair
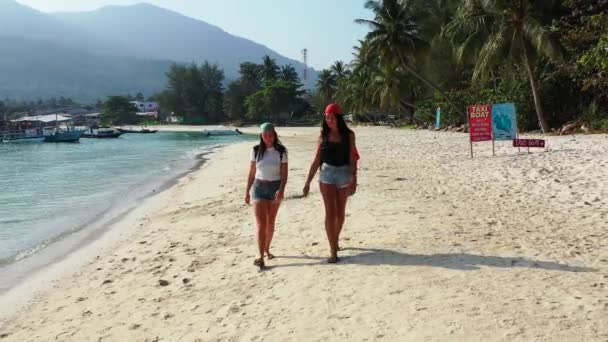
[
  {"x": 261, "y": 148},
  {"x": 342, "y": 128}
]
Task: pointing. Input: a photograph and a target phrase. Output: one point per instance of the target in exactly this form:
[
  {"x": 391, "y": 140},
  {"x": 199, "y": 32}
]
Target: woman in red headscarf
[{"x": 336, "y": 157}]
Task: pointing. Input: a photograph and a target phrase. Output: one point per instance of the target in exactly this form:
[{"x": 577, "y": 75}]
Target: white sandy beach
[{"x": 438, "y": 247}]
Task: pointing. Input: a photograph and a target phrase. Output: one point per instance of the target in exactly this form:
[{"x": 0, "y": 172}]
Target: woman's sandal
[
  {"x": 270, "y": 256},
  {"x": 332, "y": 260},
  {"x": 260, "y": 263}
]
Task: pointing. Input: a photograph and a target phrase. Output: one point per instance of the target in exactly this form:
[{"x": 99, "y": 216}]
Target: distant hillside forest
[
  {"x": 198, "y": 95},
  {"x": 31, "y": 69}
]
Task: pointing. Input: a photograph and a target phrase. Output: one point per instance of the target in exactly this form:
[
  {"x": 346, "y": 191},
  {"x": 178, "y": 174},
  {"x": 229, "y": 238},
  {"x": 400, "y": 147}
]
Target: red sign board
[
  {"x": 480, "y": 122},
  {"x": 529, "y": 143}
]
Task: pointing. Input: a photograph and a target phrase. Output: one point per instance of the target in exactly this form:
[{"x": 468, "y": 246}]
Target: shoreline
[
  {"x": 55, "y": 259},
  {"x": 437, "y": 246}
]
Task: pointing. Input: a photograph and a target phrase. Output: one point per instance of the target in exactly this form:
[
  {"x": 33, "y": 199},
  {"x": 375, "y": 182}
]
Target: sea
[{"x": 51, "y": 191}]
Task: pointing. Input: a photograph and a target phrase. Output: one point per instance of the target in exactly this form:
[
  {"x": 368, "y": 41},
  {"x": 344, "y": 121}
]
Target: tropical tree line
[
  {"x": 199, "y": 95},
  {"x": 549, "y": 57},
  {"x": 263, "y": 91},
  {"x": 8, "y": 105}
]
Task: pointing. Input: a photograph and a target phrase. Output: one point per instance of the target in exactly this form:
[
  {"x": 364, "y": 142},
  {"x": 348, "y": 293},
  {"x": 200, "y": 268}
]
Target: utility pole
[{"x": 305, "y": 61}]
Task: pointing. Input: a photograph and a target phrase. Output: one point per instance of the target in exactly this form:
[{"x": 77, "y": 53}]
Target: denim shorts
[
  {"x": 340, "y": 176},
  {"x": 264, "y": 190}
]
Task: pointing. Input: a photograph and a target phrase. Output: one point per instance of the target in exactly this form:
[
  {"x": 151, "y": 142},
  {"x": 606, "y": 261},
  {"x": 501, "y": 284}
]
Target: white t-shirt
[{"x": 269, "y": 167}]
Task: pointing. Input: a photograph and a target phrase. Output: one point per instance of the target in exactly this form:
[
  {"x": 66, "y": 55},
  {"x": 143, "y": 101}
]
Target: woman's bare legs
[
  {"x": 330, "y": 194},
  {"x": 341, "y": 199},
  {"x": 261, "y": 208},
  {"x": 272, "y": 217}
]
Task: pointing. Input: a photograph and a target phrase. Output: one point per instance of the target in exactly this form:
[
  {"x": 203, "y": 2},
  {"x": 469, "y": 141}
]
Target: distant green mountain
[
  {"x": 113, "y": 50},
  {"x": 31, "y": 69},
  {"x": 154, "y": 32},
  {"x": 17, "y": 20}
]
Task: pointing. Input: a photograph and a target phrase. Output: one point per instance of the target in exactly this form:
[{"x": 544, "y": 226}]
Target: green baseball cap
[{"x": 266, "y": 126}]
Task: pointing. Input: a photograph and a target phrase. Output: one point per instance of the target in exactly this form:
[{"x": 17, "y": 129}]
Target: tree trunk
[
  {"x": 425, "y": 81},
  {"x": 420, "y": 77},
  {"x": 535, "y": 91}
]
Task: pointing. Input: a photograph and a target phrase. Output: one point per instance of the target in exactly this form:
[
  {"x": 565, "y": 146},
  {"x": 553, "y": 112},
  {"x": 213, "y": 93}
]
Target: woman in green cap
[{"x": 266, "y": 186}]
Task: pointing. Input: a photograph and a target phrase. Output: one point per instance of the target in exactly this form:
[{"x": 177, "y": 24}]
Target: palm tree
[
  {"x": 251, "y": 75},
  {"x": 395, "y": 36},
  {"x": 270, "y": 69},
  {"x": 288, "y": 73},
  {"x": 340, "y": 70},
  {"x": 490, "y": 33},
  {"x": 356, "y": 92},
  {"x": 326, "y": 86}
]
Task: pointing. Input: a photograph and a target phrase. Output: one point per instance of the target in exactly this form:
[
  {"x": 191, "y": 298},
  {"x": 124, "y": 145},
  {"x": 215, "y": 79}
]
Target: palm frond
[
  {"x": 492, "y": 52},
  {"x": 542, "y": 39}
]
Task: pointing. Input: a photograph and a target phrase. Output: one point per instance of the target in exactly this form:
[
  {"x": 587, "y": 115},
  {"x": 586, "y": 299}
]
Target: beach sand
[{"x": 437, "y": 247}]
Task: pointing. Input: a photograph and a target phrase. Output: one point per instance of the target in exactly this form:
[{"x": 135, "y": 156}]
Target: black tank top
[{"x": 335, "y": 154}]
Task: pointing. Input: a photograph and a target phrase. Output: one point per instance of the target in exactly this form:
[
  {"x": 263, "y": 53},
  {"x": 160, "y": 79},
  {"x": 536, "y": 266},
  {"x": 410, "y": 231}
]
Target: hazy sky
[{"x": 324, "y": 27}]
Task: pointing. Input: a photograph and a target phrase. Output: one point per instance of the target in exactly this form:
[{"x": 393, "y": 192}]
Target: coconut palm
[
  {"x": 395, "y": 36},
  {"x": 270, "y": 69},
  {"x": 490, "y": 33},
  {"x": 251, "y": 75},
  {"x": 289, "y": 74},
  {"x": 326, "y": 85},
  {"x": 340, "y": 70}
]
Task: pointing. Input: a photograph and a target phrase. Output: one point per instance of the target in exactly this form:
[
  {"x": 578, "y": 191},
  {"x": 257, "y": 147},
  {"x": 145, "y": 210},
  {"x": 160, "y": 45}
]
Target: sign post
[
  {"x": 504, "y": 122},
  {"x": 437, "y": 121},
  {"x": 540, "y": 143},
  {"x": 480, "y": 124}
]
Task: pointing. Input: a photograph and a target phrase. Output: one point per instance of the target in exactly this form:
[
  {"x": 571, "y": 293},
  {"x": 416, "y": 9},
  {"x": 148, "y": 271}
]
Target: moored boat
[
  {"x": 63, "y": 136},
  {"x": 102, "y": 133},
  {"x": 142, "y": 130},
  {"x": 218, "y": 132}
]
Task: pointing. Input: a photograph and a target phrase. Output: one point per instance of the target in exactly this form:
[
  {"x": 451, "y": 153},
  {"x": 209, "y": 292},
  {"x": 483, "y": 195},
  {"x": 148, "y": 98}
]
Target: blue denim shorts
[
  {"x": 340, "y": 176},
  {"x": 264, "y": 190}
]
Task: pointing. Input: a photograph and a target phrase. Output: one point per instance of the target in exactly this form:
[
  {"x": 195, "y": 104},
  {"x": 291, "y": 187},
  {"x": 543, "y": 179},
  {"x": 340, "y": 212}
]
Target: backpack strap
[{"x": 256, "y": 151}]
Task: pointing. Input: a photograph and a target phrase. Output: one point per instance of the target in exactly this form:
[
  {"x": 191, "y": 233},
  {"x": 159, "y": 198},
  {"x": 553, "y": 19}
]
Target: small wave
[
  {"x": 6, "y": 261},
  {"x": 8, "y": 221},
  {"x": 30, "y": 251}
]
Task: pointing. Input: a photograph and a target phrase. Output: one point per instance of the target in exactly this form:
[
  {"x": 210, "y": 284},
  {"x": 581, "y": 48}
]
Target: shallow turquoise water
[{"x": 50, "y": 190}]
